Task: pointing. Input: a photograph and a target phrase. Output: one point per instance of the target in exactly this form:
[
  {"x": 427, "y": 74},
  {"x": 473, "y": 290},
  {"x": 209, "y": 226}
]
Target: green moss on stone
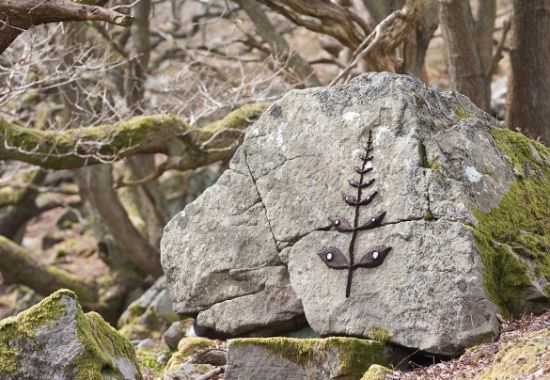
[
  {"x": 519, "y": 228},
  {"x": 102, "y": 346},
  {"x": 379, "y": 334},
  {"x": 24, "y": 325},
  {"x": 376, "y": 372},
  {"x": 461, "y": 113},
  {"x": 150, "y": 359},
  {"x": 355, "y": 355},
  {"x": 186, "y": 348},
  {"x": 520, "y": 358}
]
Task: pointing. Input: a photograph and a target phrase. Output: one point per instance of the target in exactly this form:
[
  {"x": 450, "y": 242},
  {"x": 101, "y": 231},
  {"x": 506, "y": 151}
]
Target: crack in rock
[{"x": 262, "y": 202}]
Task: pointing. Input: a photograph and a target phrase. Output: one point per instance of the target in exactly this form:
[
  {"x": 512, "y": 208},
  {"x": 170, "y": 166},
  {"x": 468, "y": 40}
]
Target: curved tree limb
[
  {"x": 16, "y": 16},
  {"x": 323, "y": 17},
  {"x": 102, "y": 195},
  {"x": 18, "y": 266},
  {"x": 168, "y": 134}
]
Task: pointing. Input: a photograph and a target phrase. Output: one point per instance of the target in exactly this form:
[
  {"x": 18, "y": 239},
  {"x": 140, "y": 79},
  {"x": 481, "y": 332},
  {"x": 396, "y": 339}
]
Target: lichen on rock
[
  {"x": 376, "y": 372},
  {"x": 56, "y": 340},
  {"x": 513, "y": 239},
  {"x": 335, "y": 357}
]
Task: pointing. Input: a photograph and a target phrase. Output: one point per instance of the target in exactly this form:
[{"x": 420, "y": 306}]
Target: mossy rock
[
  {"x": 376, "y": 372},
  {"x": 281, "y": 358},
  {"x": 149, "y": 315},
  {"x": 152, "y": 361},
  {"x": 524, "y": 358},
  {"x": 514, "y": 238},
  {"x": 56, "y": 340},
  {"x": 188, "y": 347}
]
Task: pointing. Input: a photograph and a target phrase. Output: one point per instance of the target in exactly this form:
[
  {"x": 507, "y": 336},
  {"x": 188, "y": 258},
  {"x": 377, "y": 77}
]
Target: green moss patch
[
  {"x": 376, "y": 372},
  {"x": 102, "y": 347},
  {"x": 379, "y": 334},
  {"x": 521, "y": 358},
  {"x": 150, "y": 359},
  {"x": 24, "y": 326},
  {"x": 514, "y": 238},
  {"x": 354, "y": 355},
  {"x": 188, "y": 347}
]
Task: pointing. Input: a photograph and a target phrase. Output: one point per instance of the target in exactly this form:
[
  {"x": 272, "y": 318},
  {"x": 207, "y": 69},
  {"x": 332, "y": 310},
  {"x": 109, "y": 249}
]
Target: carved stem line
[{"x": 357, "y": 206}]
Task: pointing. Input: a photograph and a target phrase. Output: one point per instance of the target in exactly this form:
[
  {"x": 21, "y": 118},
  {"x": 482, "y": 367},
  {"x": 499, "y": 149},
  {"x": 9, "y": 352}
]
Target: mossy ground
[
  {"x": 514, "y": 238},
  {"x": 522, "y": 358},
  {"x": 354, "y": 355}
]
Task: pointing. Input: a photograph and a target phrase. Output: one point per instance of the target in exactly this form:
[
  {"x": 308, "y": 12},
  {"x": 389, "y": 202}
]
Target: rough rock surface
[
  {"x": 149, "y": 314},
  {"x": 256, "y": 235},
  {"x": 301, "y": 359},
  {"x": 56, "y": 340}
]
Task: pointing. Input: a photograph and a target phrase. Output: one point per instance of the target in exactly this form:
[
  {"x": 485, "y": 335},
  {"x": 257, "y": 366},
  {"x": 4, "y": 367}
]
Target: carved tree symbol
[{"x": 332, "y": 256}]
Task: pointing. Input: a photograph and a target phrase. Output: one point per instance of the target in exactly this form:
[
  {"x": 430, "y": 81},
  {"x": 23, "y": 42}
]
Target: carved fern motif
[{"x": 332, "y": 256}]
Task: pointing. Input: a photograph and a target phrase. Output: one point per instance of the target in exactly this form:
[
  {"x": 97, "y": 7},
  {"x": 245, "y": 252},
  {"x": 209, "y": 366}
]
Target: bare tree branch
[
  {"x": 16, "y": 16},
  {"x": 497, "y": 57},
  {"x": 323, "y": 17},
  {"x": 279, "y": 47},
  {"x": 387, "y": 35}
]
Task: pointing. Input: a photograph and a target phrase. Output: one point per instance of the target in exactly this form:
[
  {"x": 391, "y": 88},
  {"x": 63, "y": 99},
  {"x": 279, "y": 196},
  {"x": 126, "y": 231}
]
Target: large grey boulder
[
  {"x": 430, "y": 275},
  {"x": 56, "y": 340}
]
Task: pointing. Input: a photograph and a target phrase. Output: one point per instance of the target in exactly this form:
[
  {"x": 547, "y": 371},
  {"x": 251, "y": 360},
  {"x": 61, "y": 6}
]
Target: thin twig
[{"x": 497, "y": 57}]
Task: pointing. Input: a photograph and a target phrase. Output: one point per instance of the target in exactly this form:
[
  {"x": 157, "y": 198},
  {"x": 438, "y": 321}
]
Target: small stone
[{"x": 173, "y": 334}]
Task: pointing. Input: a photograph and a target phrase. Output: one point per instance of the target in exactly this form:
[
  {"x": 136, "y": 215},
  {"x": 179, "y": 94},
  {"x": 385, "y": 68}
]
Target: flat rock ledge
[{"x": 301, "y": 359}]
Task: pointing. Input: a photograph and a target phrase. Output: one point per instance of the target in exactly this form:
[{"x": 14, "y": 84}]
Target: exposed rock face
[
  {"x": 301, "y": 359},
  {"x": 246, "y": 252},
  {"x": 56, "y": 340}
]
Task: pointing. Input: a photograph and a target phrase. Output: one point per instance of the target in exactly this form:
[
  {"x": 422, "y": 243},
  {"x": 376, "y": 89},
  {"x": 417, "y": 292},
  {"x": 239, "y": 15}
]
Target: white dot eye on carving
[
  {"x": 329, "y": 256},
  {"x": 375, "y": 255}
]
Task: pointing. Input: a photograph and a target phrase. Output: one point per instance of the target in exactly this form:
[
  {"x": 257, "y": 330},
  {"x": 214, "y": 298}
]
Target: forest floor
[{"x": 478, "y": 359}]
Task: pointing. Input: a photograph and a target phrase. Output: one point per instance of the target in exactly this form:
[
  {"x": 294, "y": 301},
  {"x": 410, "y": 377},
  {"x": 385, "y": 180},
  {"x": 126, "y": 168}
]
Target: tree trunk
[
  {"x": 529, "y": 85},
  {"x": 138, "y": 67},
  {"x": 485, "y": 17},
  {"x": 465, "y": 70},
  {"x": 103, "y": 197},
  {"x": 417, "y": 45}
]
